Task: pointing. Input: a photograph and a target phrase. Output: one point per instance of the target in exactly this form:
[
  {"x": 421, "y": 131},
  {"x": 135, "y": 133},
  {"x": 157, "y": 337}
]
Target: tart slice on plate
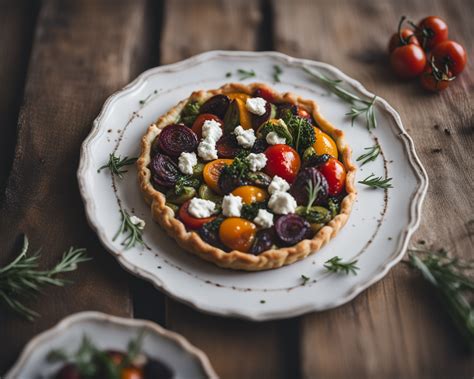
[{"x": 247, "y": 178}]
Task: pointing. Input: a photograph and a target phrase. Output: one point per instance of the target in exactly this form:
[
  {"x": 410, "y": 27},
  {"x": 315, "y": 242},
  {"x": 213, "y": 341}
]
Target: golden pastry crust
[{"x": 238, "y": 260}]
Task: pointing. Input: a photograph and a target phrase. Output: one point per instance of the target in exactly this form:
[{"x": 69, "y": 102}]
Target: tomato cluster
[{"x": 426, "y": 52}]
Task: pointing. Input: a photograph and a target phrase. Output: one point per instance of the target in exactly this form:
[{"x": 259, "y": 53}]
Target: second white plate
[{"x": 376, "y": 234}]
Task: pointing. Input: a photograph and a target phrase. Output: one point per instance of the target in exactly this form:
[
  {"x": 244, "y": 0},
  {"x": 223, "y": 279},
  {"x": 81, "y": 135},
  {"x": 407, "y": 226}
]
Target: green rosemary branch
[
  {"x": 453, "y": 280},
  {"x": 358, "y": 106},
  {"x": 22, "y": 278},
  {"x": 313, "y": 192},
  {"x": 133, "y": 226},
  {"x": 116, "y": 164},
  {"x": 245, "y": 74},
  {"x": 335, "y": 264},
  {"x": 376, "y": 182},
  {"x": 371, "y": 155},
  {"x": 277, "y": 71}
]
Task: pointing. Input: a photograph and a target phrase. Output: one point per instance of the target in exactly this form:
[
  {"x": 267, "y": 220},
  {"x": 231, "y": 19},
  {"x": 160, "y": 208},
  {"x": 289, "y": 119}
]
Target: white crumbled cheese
[
  {"x": 211, "y": 129},
  {"x": 282, "y": 203},
  {"x": 278, "y": 185},
  {"x": 207, "y": 149},
  {"x": 256, "y": 105},
  {"x": 231, "y": 206},
  {"x": 273, "y": 138},
  {"x": 201, "y": 208},
  {"x": 256, "y": 161},
  {"x": 264, "y": 219},
  {"x": 137, "y": 221},
  {"x": 245, "y": 138},
  {"x": 186, "y": 162}
]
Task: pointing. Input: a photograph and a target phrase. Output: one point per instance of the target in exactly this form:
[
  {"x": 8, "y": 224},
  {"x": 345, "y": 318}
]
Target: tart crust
[{"x": 192, "y": 242}]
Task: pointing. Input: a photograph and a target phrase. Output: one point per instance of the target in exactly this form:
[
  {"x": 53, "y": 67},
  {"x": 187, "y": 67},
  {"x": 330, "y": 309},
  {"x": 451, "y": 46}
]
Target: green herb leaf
[
  {"x": 22, "y": 278},
  {"x": 116, "y": 164},
  {"x": 250, "y": 211},
  {"x": 277, "y": 71},
  {"x": 301, "y": 130},
  {"x": 134, "y": 230},
  {"x": 371, "y": 155},
  {"x": 185, "y": 181},
  {"x": 376, "y": 182},
  {"x": 336, "y": 265},
  {"x": 245, "y": 74},
  {"x": 190, "y": 113},
  {"x": 304, "y": 279}
]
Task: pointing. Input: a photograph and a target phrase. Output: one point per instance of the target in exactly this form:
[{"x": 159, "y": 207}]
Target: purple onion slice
[
  {"x": 216, "y": 105},
  {"x": 164, "y": 171},
  {"x": 299, "y": 188},
  {"x": 264, "y": 240},
  {"x": 227, "y": 146},
  {"x": 291, "y": 229},
  {"x": 176, "y": 138}
]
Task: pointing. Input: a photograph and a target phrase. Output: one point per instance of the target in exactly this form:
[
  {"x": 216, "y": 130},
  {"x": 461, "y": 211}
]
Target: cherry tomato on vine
[
  {"x": 190, "y": 221},
  {"x": 282, "y": 160},
  {"x": 450, "y": 54},
  {"x": 404, "y": 37},
  {"x": 431, "y": 31},
  {"x": 335, "y": 174},
  {"x": 201, "y": 119},
  {"x": 433, "y": 79},
  {"x": 408, "y": 61}
]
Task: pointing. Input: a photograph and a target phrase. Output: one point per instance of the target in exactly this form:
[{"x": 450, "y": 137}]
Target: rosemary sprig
[
  {"x": 336, "y": 265},
  {"x": 358, "y": 106},
  {"x": 453, "y": 280},
  {"x": 304, "y": 279},
  {"x": 245, "y": 74},
  {"x": 376, "y": 182},
  {"x": 145, "y": 100},
  {"x": 313, "y": 191},
  {"x": 133, "y": 226},
  {"x": 22, "y": 278},
  {"x": 116, "y": 164},
  {"x": 371, "y": 155},
  {"x": 277, "y": 71}
]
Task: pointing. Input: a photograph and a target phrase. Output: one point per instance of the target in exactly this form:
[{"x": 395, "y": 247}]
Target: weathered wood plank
[
  {"x": 82, "y": 52},
  {"x": 17, "y": 20},
  {"x": 396, "y": 328},
  {"x": 237, "y": 349}
]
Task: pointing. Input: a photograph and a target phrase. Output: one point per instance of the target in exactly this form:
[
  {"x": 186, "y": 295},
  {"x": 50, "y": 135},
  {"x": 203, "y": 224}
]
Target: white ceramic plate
[
  {"x": 376, "y": 234},
  {"x": 110, "y": 332}
]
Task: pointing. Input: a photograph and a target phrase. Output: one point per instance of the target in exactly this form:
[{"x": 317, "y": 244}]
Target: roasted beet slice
[
  {"x": 264, "y": 240},
  {"x": 291, "y": 229},
  {"x": 227, "y": 146},
  {"x": 176, "y": 138},
  {"x": 216, "y": 105},
  {"x": 270, "y": 112},
  {"x": 299, "y": 188},
  {"x": 164, "y": 170},
  {"x": 259, "y": 146}
]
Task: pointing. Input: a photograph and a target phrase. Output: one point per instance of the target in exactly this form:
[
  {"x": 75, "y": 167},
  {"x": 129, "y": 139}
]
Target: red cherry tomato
[
  {"x": 431, "y": 31},
  {"x": 198, "y": 123},
  {"x": 283, "y": 161},
  {"x": 408, "y": 61},
  {"x": 407, "y": 37},
  {"x": 335, "y": 174},
  {"x": 192, "y": 222},
  {"x": 433, "y": 79},
  {"x": 450, "y": 54},
  {"x": 265, "y": 93}
]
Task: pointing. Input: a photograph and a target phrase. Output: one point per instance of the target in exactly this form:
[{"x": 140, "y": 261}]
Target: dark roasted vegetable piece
[
  {"x": 284, "y": 110},
  {"x": 232, "y": 117},
  {"x": 176, "y": 138},
  {"x": 164, "y": 171},
  {"x": 299, "y": 188},
  {"x": 216, "y": 105},
  {"x": 189, "y": 113},
  {"x": 334, "y": 206},
  {"x": 227, "y": 146},
  {"x": 270, "y": 113},
  {"x": 228, "y": 182},
  {"x": 315, "y": 214},
  {"x": 69, "y": 371},
  {"x": 259, "y": 146},
  {"x": 264, "y": 240},
  {"x": 291, "y": 229},
  {"x": 259, "y": 179},
  {"x": 157, "y": 370},
  {"x": 316, "y": 160},
  {"x": 210, "y": 232}
]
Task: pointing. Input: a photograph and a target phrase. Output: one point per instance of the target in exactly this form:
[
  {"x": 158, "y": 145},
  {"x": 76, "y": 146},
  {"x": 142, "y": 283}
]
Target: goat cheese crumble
[
  {"x": 278, "y": 185},
  {"x": 245, "y": 138},
  {"x": 231, "y": 206},
  {"x": 186, "y": 162},
  {"x": 256, "y": 161},
  {"x": 264, "y": 219},
  {"x": 282, "y": 203},
  {"x": 211, "y": 129},
  {"x": 201, "y": 208},
  {"x": 207, "y": 149},
  {"x": 273, "y": 138},
  {"x": 256, "y": 105}
]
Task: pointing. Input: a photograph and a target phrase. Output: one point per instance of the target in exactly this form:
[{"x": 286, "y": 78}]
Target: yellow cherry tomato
[
  {"x": 237, "y": 233},
  {"x": 245, "y": 117},
  {"x": 238, "y": 95},
  {"x": 212, "y": 171},
  {"x": 250, "y": 194},
  {"x": 324, "y": 144}
]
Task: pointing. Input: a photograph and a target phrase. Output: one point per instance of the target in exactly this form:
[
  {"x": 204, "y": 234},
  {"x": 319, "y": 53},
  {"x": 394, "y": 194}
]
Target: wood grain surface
[{"x": 73, "y": 54}]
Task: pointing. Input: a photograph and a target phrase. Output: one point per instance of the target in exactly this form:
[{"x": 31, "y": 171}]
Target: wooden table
[{"x": 61, "y": 59}]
